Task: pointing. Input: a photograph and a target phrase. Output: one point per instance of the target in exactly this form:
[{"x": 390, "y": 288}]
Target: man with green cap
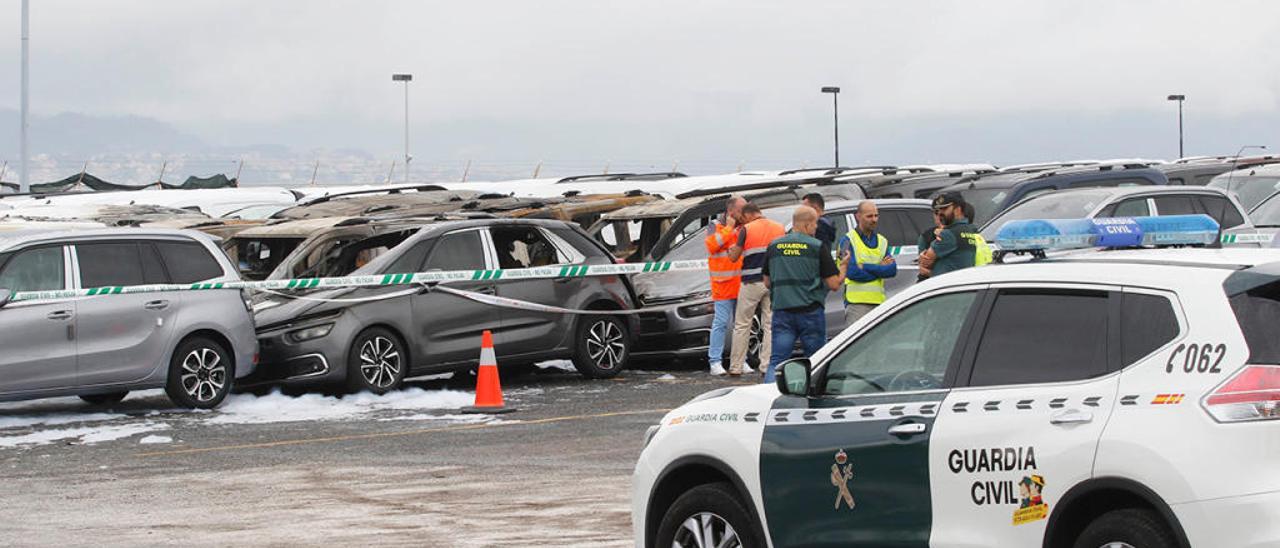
[{"x": 958, "y": 244}]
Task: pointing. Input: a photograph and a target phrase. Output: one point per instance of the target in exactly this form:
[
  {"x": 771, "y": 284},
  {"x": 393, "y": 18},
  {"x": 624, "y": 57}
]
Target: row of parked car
[{"x": 199, "y": 345}]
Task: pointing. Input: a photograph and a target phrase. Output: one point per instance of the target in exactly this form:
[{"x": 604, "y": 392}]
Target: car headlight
[
  {"x": 314, "y": 332},
  {"x": 695, "y": 310}
]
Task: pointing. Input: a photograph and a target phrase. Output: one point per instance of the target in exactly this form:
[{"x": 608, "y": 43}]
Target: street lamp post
[
  {"x": 835, "y": 104},
  {"x": 406, "y": 78},
  {"x": 24, "y": 185},
  {"x": 1179, "y": 99}
]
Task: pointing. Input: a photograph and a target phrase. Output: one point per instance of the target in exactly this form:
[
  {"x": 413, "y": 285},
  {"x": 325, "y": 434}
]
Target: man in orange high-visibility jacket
[
  {"x": 725, "y": 278},
  {"x": 753, "y": 240}
]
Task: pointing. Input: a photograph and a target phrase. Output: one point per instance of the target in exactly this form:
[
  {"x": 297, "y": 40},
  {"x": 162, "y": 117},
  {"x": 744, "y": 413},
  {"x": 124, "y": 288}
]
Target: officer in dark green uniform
[
  {"x": 799, "y": 271},
  {"x": 958, "y": 244}
]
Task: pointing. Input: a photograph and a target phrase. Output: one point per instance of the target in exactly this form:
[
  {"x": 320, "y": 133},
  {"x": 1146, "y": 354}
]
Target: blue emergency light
[{"x": 1058, "y": 234}]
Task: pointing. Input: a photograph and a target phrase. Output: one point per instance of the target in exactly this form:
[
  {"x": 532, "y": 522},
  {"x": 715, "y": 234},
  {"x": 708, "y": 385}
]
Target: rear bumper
[{"x": 1244, "y": 521}]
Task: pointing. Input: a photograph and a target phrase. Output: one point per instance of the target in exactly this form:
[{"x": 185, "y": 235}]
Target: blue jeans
[
  {"x": 720, "y": 326},
  {"x": 810, "y": 328}
]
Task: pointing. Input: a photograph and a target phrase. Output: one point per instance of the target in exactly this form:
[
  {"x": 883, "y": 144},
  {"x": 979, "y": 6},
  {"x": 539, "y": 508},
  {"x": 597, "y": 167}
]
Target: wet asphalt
[{"x": 556, "y": 471}]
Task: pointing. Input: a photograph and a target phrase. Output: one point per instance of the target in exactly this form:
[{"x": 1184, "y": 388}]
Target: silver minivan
[{"x": 194, "y": 344}]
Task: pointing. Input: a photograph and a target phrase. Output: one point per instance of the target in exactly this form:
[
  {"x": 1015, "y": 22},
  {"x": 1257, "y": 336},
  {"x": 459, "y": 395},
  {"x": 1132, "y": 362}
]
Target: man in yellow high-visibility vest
[{"x": 869, "y": 263}]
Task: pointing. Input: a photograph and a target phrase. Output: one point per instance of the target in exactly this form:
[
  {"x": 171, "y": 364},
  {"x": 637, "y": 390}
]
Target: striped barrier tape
[
  {"x": 544, "y": 272},
  {"x": 1247, "y": 238}
]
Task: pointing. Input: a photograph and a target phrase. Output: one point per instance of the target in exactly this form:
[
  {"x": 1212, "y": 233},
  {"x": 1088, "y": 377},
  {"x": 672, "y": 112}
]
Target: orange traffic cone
[{"x": 488, "y": 386}]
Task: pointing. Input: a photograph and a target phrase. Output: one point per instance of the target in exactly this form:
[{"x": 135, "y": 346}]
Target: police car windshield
[
  {"x": 1250, "y": 190},
  {"x": 1267, "y": 214},
  {"x": 985, "y": 201},
  {"x": 1055, "y": 205}
]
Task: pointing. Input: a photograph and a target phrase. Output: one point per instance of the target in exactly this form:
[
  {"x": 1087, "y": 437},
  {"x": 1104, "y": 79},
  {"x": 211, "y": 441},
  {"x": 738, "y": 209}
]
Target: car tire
[
  {"x": 201, "y": 373},
  {"x": 377, "y": 362},
  {"x": 602, "y": 346},
  {"x": 105, "y": 399},
  {"x": 714, "y": 507},
  {"x": 755, "y": 343},
  {"x": 1135, "y": 527}
]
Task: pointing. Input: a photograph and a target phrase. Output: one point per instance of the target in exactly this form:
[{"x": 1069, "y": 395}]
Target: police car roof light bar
[{"x": 1039, "y": 235}]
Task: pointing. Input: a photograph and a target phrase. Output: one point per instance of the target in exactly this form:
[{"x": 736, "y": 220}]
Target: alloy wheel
[
  {"x": 706, "y": 530},
  {"x": 379, "y": 362},
  {"x": 753, "y": 341},
  {"x": 203, "y": 374},
  {"x": 605, "y": 344}
]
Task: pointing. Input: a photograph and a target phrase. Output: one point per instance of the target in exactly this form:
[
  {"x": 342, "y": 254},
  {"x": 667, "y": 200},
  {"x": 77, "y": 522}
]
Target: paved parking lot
[{"x": 403, "y": 469}]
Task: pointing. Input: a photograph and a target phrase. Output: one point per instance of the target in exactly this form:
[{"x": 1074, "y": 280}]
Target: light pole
[
  {"x": 406, "y": 78},
  {"x": 24, "y": 185},
  {"x": 1179, "y": 99},
  {"x": 835, "y": 105}
]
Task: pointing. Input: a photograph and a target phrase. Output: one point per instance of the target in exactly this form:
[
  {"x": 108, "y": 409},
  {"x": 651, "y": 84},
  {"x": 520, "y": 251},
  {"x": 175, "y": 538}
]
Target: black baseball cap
[{"x": 948, "y": 199}]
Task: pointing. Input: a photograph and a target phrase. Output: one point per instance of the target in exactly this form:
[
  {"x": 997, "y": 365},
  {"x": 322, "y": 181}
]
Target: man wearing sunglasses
[{"x": 958, "y": 244}]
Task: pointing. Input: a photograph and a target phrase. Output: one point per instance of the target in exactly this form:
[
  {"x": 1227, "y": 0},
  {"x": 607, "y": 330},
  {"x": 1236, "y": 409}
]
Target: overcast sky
[{"x": 708, "y": 83}]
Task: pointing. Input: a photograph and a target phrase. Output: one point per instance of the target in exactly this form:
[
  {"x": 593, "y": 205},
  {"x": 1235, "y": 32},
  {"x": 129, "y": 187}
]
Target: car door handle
[
  {"x": 60, "y": 315},
  {"x": 1071, "y": 416},
  {"x": 156, "y": 305},
  {"x": 908, "y": 429}
]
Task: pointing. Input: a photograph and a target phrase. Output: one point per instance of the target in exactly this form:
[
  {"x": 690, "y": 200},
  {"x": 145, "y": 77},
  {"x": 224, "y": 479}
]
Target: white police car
[{"x": 1107, "y": 399}]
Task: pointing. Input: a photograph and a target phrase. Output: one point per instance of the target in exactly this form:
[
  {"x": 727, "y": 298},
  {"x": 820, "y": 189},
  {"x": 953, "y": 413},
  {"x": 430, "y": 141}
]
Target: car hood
[
  {"x": 663, "y": 286},
  {"x": 274, "y": 310}
]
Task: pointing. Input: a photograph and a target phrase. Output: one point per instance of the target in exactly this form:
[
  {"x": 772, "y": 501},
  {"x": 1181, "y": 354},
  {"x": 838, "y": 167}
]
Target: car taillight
[{"x": 1252, "y": 394}]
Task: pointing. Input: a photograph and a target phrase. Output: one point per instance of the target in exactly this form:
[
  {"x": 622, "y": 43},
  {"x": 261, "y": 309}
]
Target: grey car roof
[
  {"x": 842, "y": 205},
  {"x": 26, "y": 237}
]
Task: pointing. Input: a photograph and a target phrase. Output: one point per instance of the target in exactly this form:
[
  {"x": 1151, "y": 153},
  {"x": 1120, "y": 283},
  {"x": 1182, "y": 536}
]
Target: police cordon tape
[{"x": 544, "y": 272}]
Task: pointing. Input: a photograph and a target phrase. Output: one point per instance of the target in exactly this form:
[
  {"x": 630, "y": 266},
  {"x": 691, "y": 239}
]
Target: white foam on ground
[
  {"x": 84, "y": 434},
  {"x": 667, "y": 377},
  {"x": 563, "y": 365},
  {"x": 276, "y": 407},
  {"x": 152, "y": 439}
]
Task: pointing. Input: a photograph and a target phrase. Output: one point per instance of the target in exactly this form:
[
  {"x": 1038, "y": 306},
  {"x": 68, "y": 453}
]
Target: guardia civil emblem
[{"x": 841, "y": 474}]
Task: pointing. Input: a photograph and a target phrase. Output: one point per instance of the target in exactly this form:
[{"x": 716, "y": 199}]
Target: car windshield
[
  {"x": 1267, "y": 213},
  {"x": 1250, "y": 190},
  {"x": 985, "y": 201},
  {"x": 1057, "y": 205}
]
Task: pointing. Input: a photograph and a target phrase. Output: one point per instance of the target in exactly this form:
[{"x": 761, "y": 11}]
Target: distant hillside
[{"x": 80, "y": 135}]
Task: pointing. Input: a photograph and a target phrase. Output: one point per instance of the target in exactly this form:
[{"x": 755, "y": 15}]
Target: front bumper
[
  {"x": 675, "y": 329},
  {"x": 284, "y": 361}
]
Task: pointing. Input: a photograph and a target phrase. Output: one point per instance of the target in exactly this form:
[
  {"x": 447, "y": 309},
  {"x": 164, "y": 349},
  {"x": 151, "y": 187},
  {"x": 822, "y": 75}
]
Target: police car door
[
  {"x": 1022, "y": 425},
  {"x": 849, "y": 464}
]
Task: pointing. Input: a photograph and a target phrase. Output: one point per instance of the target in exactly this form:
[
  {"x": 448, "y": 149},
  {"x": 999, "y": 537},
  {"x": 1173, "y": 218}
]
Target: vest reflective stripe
[
  {"x": 760, "y": 233},
  {"x": 725, "y": 273},
  {"x": 871, "y": 292}
]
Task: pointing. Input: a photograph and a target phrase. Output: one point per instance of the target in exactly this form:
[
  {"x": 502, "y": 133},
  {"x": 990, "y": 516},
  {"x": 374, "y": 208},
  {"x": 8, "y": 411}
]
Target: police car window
[
  {"x": 909, "y": 350},
  {"x": 1222, "y": 210},
  {"x": 1147, "y": 322},
  {"x": 37, "y": 269},
  {"x": 1035, "y": 336}
]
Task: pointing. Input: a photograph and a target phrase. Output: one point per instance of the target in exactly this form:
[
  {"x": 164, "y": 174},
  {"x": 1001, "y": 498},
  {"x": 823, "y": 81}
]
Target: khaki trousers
[
  {"x": 855, "y": 311},
  {"x": 751, "y": 296}
]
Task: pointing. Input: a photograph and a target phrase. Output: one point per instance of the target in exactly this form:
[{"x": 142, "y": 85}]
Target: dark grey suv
[{"x": 373, "y": 338}]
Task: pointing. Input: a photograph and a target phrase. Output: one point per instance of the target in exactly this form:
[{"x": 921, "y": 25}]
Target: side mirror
[
  {"x": 792, "y": 377},
  {"x": 5, "y": 297}
]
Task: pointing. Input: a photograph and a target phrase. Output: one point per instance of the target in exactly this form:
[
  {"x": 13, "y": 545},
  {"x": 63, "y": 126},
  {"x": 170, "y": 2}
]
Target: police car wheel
[
  {"x": 708, "y": 515},
  {"x": 1130, "y": 527},
  {"x": 602, "y": 347}
]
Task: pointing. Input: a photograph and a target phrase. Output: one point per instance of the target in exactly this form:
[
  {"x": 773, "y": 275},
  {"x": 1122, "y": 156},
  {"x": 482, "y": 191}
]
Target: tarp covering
[
  {"x": 216, "y": 181},
  {"x": 81, "y": 181}
]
